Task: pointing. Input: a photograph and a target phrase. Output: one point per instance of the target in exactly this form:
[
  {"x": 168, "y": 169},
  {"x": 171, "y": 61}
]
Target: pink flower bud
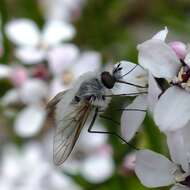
[
  {"x": 105, "y": 149},
  {"x": 179, "y": 48},
  {"x": 19, "y": 76},
  {"x": 129, "y": 162}
]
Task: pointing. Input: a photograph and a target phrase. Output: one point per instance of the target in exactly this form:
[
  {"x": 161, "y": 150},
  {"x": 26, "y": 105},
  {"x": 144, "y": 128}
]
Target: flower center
[
  {"x": 186, "y": 182},
  {"x": 183, "y": 77},
  {"x": 182, "y": 177}
]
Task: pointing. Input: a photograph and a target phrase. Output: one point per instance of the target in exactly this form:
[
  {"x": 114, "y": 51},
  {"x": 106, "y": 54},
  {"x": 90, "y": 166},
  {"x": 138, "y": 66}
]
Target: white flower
[
  {"x": 33, "y": 44},
  {"x": 155, "y": 170},
  {"x": 28, "y": 168},
  {"x": 30, "y": 119},
  {"x": 171, "y": 110},
  {"x": 30, "y": 91}
]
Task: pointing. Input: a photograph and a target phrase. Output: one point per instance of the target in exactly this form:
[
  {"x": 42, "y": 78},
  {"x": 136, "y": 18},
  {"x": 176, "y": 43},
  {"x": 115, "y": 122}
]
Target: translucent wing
[
  {"x": 51, "y": 105},
  {"x": 50, "y": 108},
  {"x": 68, "y": 129}
]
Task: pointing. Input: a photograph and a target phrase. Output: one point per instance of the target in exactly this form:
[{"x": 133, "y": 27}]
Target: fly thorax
[
  {"x": 92, "y": 92},
  {"x": 183, "y": 78}
]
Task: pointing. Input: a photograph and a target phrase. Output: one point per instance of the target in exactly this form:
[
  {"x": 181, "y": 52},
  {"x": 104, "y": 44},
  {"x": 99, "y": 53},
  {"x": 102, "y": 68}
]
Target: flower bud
[{"x": 179, "y": 48}]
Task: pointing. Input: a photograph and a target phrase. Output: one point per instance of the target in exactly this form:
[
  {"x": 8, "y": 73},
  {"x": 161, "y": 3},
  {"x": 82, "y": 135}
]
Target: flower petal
[
  {"x": 131, "y": 73},
  {"x": 158, "y": 58},
  {"x": 89, "y": 61},
  {"x": 153, "y": 169},
  {"x": 62, "y": 57},
  {"x": 177, "y": 150},
  {"x": 96, "y": 141},
  {"x": 186, "y": 135},
  {"x": 172, "y": 110},
  {"x": 29, "y": 55},
  {"x": 161, "y": 35},
  {"x": 132, "y": 120},
  {"x": 56, "y": 31},
  {"x": 23, "y": 32},
  {"x": 97, "y": 168},
  {"x": 60, "y": 181},
  {"x": 33, "y": 91},
  {"x": 179, "y": 146},
  {"x": 153, "y": 92},
  {"x": 57, "y": 86},
  {"x": 10, "y": 97},
  {"x": 29, "y": 121}
]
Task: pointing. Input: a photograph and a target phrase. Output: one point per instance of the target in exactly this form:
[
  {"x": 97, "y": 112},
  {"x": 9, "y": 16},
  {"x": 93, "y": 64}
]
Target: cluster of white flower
[
  {"x": 46, "y": 62},
  {"x": 168, "y": 101}
]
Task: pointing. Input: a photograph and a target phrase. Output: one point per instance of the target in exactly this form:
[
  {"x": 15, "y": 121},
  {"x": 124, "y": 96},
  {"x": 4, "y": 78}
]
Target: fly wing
[
  {"x": 50, "y": 109},
  {"x": 68, "y": 129},
  {"x": 69, "y": 118},
  {"x": 51, "y": 105}
]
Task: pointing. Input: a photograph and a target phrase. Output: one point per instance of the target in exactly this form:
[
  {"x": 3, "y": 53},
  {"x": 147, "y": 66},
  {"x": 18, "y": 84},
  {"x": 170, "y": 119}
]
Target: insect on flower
[{"x": 82, "y": 103}]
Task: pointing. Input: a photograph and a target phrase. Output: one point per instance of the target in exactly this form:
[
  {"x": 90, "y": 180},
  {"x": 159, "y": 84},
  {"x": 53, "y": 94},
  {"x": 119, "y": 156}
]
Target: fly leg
[{"x": 90, "y": 130}]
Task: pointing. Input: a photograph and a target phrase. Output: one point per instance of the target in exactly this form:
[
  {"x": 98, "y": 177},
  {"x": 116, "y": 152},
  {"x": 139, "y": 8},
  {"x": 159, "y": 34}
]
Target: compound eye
[{"x": 108, "y": 80}]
